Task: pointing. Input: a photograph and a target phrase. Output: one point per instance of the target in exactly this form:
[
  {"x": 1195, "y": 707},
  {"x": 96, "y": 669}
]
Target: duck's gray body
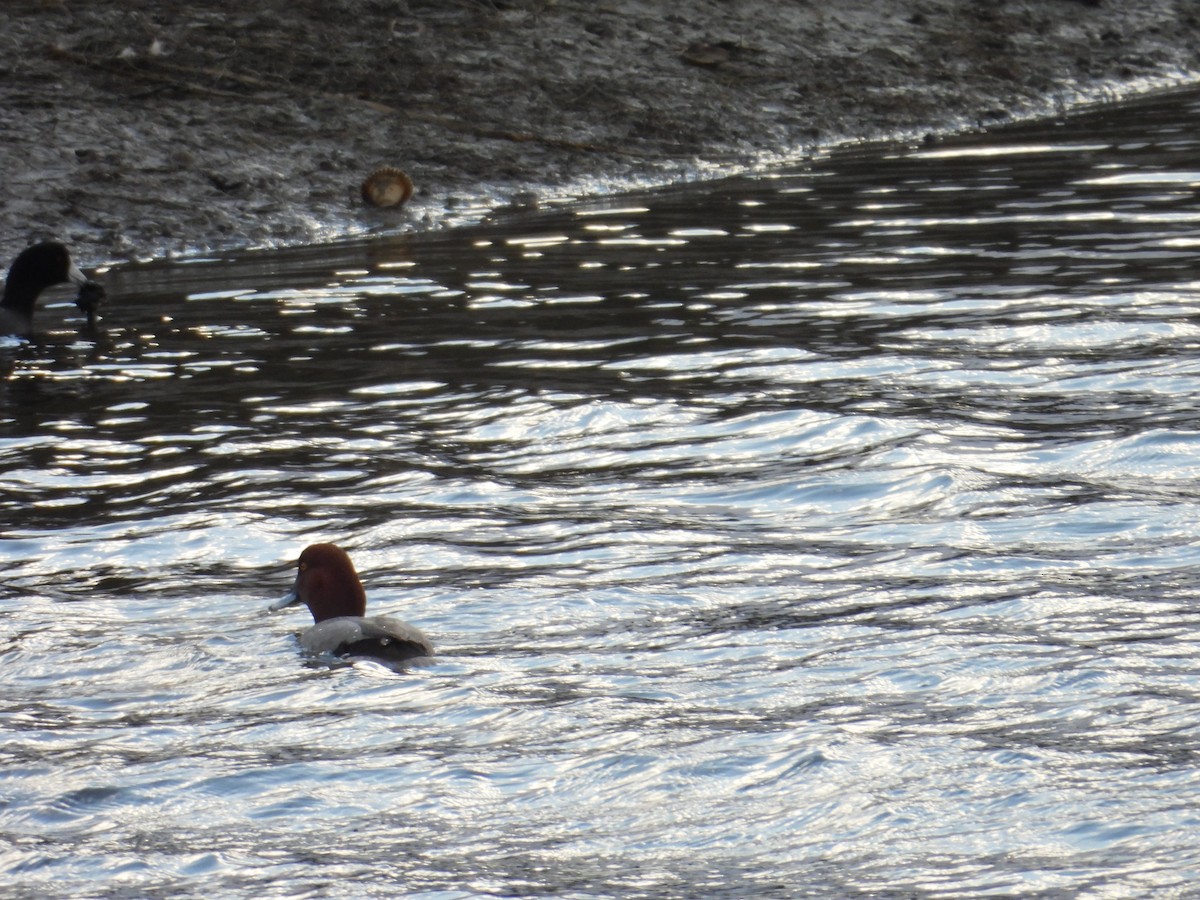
[{"x": 380, "y": 637}]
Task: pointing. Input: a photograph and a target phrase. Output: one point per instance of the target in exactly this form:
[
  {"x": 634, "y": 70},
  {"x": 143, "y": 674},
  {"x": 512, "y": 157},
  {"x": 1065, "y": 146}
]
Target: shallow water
[{"x": 825, "y": 533}]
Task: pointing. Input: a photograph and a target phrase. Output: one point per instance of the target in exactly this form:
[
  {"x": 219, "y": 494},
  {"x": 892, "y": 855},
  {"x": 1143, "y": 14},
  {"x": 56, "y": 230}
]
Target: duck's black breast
[{"x": 386, "y": 648}]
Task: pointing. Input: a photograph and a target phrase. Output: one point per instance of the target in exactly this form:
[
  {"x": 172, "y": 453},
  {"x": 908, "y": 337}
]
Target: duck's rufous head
[{"x": 327, "y": 584}]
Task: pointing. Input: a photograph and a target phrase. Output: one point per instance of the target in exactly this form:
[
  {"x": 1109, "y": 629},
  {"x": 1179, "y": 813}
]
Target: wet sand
[{"x": 136, "y": 131}]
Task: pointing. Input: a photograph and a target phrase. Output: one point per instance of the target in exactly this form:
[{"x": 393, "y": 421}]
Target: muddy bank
[{"x": 135, "y": 130}]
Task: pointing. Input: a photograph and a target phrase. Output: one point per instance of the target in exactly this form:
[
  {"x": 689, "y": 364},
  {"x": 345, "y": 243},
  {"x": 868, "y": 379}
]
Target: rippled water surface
[{"x": 830, "y": 533}]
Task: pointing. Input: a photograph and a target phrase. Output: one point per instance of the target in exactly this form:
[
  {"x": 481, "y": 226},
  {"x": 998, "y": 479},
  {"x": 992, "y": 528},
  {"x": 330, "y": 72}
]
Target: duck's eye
[{"x": 303, "y": 566}]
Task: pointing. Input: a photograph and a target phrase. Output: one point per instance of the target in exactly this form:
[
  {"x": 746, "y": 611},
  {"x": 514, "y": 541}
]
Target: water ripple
[{"x": 829, "y": 532}]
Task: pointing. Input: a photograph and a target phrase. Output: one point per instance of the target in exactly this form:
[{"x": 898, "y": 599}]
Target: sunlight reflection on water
[{"x": 824, "y": 533}]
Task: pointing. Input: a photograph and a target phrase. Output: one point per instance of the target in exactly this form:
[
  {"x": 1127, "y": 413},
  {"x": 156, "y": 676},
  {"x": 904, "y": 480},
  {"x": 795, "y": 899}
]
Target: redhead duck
[
  {"x": 328, "y": 585},
  {"x": 35, "y": 269}
]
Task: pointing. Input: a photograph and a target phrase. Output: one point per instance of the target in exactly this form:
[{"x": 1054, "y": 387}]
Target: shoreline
[{"x": 138, "y": 133}]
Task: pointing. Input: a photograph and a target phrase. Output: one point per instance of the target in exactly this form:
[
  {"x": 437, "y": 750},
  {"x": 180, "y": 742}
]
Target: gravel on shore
[{"x": 139, "y": 129}]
